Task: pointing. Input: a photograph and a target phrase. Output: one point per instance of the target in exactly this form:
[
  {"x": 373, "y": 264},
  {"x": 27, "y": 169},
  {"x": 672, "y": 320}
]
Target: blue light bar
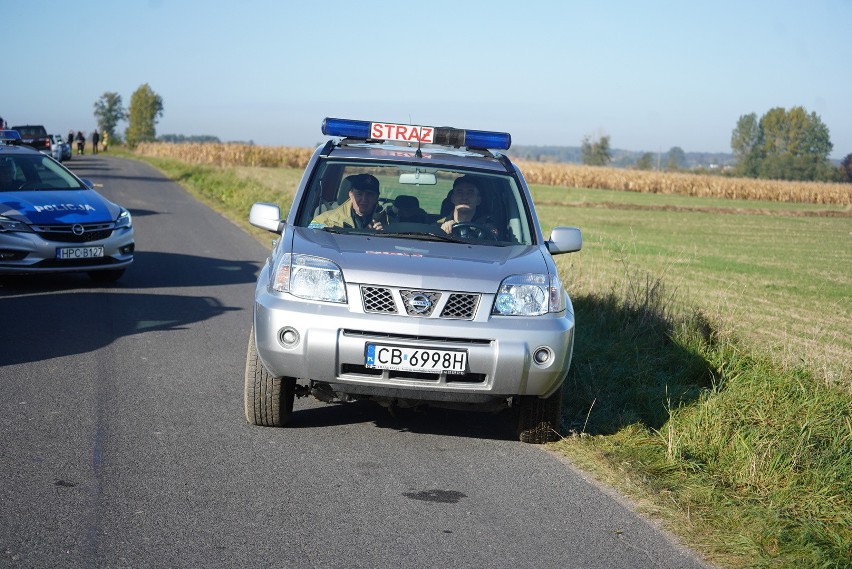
[
  {"x": 488, "y": 139},
  {"x": 346, "y": 127},
  {"x": 365, "y": 130}
]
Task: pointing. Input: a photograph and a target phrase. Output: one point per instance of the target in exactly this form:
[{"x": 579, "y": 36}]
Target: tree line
[
  {"x": 780, "y": 145},
  {"x": 785, "y": 145},
  {"x": 145, "y": 108}
]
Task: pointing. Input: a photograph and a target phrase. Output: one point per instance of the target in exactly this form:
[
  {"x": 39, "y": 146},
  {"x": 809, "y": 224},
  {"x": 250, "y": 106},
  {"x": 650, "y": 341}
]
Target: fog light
[
  {"x": 542, "y": 356},
  {"x": 11, "y": 255},
  {"x": 288, "y": 337}
]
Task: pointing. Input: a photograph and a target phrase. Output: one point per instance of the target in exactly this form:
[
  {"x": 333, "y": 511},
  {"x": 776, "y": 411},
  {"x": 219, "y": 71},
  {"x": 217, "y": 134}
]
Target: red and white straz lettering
[{"x": 405, "y": 132}]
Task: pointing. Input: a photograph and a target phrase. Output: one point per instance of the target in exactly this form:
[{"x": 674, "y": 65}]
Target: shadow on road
[
  {"x": 45, "y": 326},
  {"x": 310, "y": 413},
  {"x": 149, "y": 270}
]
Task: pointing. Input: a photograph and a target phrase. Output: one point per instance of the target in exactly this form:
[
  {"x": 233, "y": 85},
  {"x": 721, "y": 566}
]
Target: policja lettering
[{"x": 64, "y": 207}]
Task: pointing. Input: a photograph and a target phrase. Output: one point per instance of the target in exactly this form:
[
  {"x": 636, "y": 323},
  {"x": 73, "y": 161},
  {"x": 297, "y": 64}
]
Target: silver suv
[{"x": 411, "y": 270}]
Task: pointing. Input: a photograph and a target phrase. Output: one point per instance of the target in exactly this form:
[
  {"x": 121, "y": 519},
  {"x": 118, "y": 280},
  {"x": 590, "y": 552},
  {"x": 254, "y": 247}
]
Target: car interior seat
[{"x": 407, "y": 208}]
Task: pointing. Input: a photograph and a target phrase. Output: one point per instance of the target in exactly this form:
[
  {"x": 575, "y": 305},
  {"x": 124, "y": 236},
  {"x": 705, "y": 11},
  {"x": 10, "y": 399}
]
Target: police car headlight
[
  {"x": 124, "y": 219},
  {"x": 12, "y": 225},
  {"x": 308, "y": 277},
  {"x": 529, "y": 295}
]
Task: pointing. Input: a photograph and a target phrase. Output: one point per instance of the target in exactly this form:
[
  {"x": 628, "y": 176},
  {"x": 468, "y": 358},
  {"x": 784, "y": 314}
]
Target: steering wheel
[{"x": 468, "y": 230}]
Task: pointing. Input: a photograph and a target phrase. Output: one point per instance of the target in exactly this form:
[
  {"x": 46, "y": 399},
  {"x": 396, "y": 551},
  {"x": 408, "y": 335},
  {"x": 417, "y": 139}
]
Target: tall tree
[
  {"x": 145, "y": 108},
  {"x": 676, "y": 159},
  {"x": 595, "y": 152},
  {"x": 846, "y": 168},
  {"x": 789, "y": 145},
  {"x": 747, "y": 144},
  {"x": 645, "y": 162},
  {"x": 109, "y": 112}
]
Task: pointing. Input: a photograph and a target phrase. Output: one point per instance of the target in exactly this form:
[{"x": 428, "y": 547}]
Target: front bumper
[
  {"x": 333, "y": 338},
  {"x": 23, "y": 253}
]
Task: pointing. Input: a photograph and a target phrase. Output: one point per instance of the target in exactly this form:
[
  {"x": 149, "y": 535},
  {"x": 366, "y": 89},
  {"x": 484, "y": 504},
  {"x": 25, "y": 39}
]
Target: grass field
[
  {"x": 711, "y": 379},
  {"x": 778, "y": 275}
]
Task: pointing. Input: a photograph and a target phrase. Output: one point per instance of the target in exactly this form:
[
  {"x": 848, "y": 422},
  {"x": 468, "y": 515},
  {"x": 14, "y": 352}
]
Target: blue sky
[{"x": 650, "y": 75}]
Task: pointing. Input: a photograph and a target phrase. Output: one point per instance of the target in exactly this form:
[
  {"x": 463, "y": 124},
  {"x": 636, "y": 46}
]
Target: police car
[
  {"x": 411, "y": 270},
  {"x": 11, "y": 137},
  {"x": 52, "y": 221}
]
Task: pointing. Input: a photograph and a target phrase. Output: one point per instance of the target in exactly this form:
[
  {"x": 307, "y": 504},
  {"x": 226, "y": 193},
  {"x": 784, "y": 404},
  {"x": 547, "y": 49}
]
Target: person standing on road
[
  {"x": 105, "y": 140},
  {"x": 95, "y": 139},
  {"x": 81, "y": 142}
]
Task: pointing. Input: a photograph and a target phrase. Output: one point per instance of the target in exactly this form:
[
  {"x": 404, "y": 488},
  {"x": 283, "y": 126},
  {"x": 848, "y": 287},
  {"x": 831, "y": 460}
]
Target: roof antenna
[{"x": 417, "y": 153}]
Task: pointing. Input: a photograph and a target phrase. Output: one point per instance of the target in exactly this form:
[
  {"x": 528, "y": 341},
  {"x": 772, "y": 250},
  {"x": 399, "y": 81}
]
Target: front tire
[
  {"x": 538, "y": 419},
  {"x": 268, "y": 399}
]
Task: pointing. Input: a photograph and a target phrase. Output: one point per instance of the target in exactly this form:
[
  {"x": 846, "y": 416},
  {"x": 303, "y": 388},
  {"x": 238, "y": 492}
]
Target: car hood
[
  {"x": 58, "y": 207},
  {"x": 419, "y": 264}
]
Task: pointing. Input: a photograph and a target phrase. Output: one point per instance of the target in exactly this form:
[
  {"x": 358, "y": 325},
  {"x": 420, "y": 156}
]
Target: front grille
[
  {"x": 461, "y": 306},
  {"x": 91, "y": 262},
  {"x": 411, "y": 337},
  {"x": 378, "y": 299},
  {"x": 419, "y": 303},
  {"x": 65, "y": 233}
]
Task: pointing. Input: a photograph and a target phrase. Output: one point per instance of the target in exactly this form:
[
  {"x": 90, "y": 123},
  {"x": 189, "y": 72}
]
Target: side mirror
[
  {"x": 89, "y": 184},
  {"x": 266, "y": 216},
  {"x": 565, "y": 240}
]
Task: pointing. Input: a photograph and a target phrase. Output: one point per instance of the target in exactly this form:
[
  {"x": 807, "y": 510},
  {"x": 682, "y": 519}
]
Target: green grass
[
  {"x": 710, "y": 380},
  {"x": 781, "y": 282},
  {"x": 748, "y": 461}
]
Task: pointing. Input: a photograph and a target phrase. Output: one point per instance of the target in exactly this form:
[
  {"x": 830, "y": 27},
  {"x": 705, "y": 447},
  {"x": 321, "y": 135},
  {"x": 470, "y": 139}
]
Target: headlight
[
  {"x": 528, "y": 295},
  {"x": 7, "y": 224},
  {"x": 124, "y": 219},
  {"x": 309, "y": 277}
]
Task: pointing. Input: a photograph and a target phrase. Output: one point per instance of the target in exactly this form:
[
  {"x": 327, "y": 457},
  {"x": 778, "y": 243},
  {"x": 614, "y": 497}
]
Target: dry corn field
[
  {"x": 595, "y": 177},
  {"x": 549, "y": 174},
  {"x": 229, "y": 154}
]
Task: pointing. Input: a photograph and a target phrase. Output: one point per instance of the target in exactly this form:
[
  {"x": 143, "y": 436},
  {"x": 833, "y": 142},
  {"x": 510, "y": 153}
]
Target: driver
[
  {"x": 466, "y": 198},
  {"x": 7, "y": 174},
  {"x": 360, "y": 210}
]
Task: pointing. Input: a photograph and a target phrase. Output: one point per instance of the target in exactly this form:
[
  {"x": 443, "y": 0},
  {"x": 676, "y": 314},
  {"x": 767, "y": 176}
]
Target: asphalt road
[{"x": 124, "y": 442}]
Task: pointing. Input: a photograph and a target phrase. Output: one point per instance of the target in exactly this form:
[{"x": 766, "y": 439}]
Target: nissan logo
[
  {"x": 419, "y": 303},
  {"x": 77, "y": 229}
]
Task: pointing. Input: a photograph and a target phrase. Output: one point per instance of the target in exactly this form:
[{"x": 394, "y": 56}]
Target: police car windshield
[
  {"x": 27, "y": 172},
  {"x": 413, "y": 201}
]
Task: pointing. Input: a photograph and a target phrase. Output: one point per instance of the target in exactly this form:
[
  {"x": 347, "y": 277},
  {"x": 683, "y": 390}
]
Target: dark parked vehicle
[{"x": 35, "y": 136}]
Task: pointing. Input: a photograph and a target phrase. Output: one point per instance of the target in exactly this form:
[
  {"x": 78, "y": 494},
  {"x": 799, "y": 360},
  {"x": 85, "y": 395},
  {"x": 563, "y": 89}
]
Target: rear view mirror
[{"x": 418, "y": 178}]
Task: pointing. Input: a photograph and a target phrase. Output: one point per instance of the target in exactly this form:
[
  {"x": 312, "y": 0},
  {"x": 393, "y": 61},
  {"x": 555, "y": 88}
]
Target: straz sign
[{"x": 404, "y": 132}]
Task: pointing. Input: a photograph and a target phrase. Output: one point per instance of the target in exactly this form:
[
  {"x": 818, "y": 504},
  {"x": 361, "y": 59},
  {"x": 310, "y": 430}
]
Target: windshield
[
  {"x": 34, "y": 172},
  {"x": 416, "y": 202}
]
